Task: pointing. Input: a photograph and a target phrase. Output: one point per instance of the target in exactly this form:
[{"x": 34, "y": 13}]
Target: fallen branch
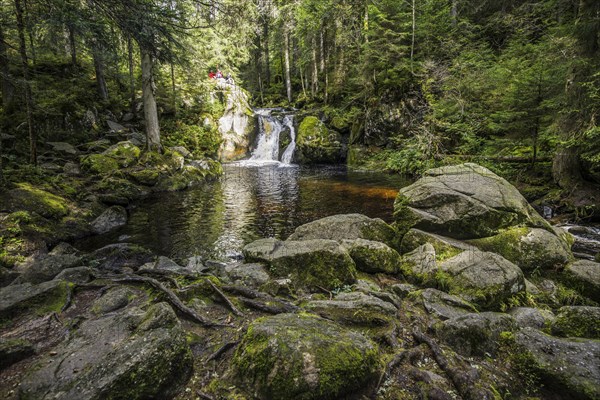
[
  {"x": 243, "y": 291},
  {"x": 170, "y": 296},
  {"x": 225, "y": 299}
]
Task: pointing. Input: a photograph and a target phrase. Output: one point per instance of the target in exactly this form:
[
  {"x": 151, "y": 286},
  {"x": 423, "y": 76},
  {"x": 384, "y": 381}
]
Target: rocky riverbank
[{"x": 468, "y": 294}]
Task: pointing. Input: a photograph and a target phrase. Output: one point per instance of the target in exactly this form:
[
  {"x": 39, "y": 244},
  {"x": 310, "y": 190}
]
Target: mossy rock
[
  {"x": 445, "y": 247},
  {"x": 311, "y": 264},
  {"x": 146, "y": 176},
  {"x": 373, "y": 257},
  {"x": 39, "y": 299},
  {"x": 26, "y": 197},
  {"x": 316, "y": 144},
  {"x": 577, "y": 321},
  {"x": 101, "y": 164},
  {"x": 125, "y": 153},
  {"x": 584, "y": 276},
  {"x": 529, "y": 248},
  {"x": 302, "y": 356}
]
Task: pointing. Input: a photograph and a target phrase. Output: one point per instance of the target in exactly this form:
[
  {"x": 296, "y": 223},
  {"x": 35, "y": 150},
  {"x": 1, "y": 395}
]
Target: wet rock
[
  {"x": 63, "y": 147},
  {"x": 316, "y": 144},
  {"x": 355, "y": 308},
  {"x": 115, "y": 257},
  {"x": 300, "y": 356},
  {"x": 112, "y": 300},
  {"x": 235, "y": 125},
  {"x": 22, "y": 298},
  {"x": 77, "y": 274},
  {"x": 130, "y": 355},
  {"x": 14, "y": 350},
  {"x": 486, "y": 279},
  {"x": 253, "y": 275},
  {"x": 585, "y": 276},
  {"x": 577, "y": 321},
  {"x": 346, "y": 226},
  {"x": 308, "y": 263},
  {"x": 163, "y": 263},
  {"x": 112, "y": 218},
  {"x": 475, "y": 334},
  {"x": 570, "y": 368},
  {"x": 445, "y": 306},
  {"x": 532, "y": 317},
  {"x": 463, "y": 201},
  {"x": 373, "y": 257},
  {"x": 42, "y": 268},
  {"x": 528, "y": 248}
]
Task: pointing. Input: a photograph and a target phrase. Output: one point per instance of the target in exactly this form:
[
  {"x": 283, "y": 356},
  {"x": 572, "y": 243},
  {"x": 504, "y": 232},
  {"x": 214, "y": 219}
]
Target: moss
[
  {"x": 403, "y": 215},
  {"x": 577, "y": 322},
  {"x": 316, "y": 143},
  {"x": 36, "y": 200},
  {"x": 99, "y": 164}
]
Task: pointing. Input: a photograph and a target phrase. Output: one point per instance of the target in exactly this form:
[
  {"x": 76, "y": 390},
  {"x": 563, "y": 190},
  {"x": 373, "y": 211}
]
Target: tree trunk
[
  {"x": 131, "y": 77},
  {"x": 454, "y": 12},
  {"x": 72, "y": 45},
  {"x": 321, "y": 51},
  {"x": 6, "y": 86},
  {"x": 314, "y": 87},
  {"x": 173, "y": 91},
  {"x": 99, "y": 69},
  {"x": 286, "y": 52},
  {"x": 25, "y": 69},
  {"x": 412, "y": 41},
  {"x": 150, "y": 111},
  {"x": 266, "y": 50}
]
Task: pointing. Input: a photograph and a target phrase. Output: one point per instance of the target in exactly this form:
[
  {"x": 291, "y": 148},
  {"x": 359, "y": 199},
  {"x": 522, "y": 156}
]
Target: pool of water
[{"x": 247, "y": 203}]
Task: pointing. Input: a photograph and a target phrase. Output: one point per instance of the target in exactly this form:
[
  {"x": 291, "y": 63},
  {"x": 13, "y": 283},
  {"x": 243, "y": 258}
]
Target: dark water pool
[{"x": 218, "y": 219}]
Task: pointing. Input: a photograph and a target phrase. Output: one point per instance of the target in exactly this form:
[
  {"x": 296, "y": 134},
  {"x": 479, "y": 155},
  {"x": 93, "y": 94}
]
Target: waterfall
[{"x": 271, "y": 122}]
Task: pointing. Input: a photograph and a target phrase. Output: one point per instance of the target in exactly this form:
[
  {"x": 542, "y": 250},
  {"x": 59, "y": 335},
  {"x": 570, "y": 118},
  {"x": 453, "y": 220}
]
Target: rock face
[
  {"x": 373, "y": 257},
  {"x": 346, "y": 226},
  {"x": 529, "y": 248},
  {"x": 571, "y": 368},
  {"x": 354, "y": 308},
  {"x": 236, "y": 124},
  {"x": 475, "y": 334},
  {"x": 585, "y": 275},
  {"x": 112, "y": 218},
  {"x": 291, "y": 356},
  {"x": 463, "y": 201},
  {"x": 309, "y": 263},
  {"x": 484, "y": 278},
  {"x": 131, "y": 355},
  {"x": 316, "y": 144}
]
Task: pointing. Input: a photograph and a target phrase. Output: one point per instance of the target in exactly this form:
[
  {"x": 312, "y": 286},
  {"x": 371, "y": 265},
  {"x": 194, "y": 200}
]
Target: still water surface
[{"x": 250, "y": 202}]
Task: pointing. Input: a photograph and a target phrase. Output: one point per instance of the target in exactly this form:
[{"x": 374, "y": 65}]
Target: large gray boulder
[
  {"x": 131, "y": 355},
  {"x": 347, "y": 226},
  {"x": 301, "y": 356},
  {"x": 115, "y": 257},
  {"x": 571, "y": 368},
  {"x": 584, "y": 275},
  {"x": 475, "y": 334},
  {"x": 532, "y": 317},
  {"x": 355, "y": 308},
  {"x": 45, "y": 297},
  {"x": 112, "y": 218},
  {"x": 463, "y": 201},
  {"x": 45, "y": 267},
  {"x": 443, "y": 305},
  {"x": 308, "y": 263},
  {"x": 577, "y": 321},
  {"x": 486, "y": 279},
  {"x": 373, "y": 257}
]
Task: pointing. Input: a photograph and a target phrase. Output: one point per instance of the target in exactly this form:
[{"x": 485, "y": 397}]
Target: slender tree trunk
[
  {"x": 173, "y": 91},
  {"x": 99, "y": 69},
  {"x": 150, "y": 111},
  {"x": 454, "y": 12},
  {"x": 366, "y": 23},
  {"x": 5, "y": 84},
  {"x": 321, "y": 51},
  {"x": 131, "y": 77},
  {"x": 286, "y": 52},
  {"x": 412, "y": 42},
  {"x": 266, "y": 49},
  {"x": 302, "y": 81},
  {"x": 72, "y": 45},
  {"x": 315, "y": 70},
  {"x": 25, "y": 68}
]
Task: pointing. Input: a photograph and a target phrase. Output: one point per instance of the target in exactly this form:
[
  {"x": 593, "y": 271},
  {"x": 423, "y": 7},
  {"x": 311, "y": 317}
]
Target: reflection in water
[{"x": 218, "y": 219}]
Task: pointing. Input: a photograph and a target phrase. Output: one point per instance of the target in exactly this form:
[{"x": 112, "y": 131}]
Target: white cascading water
[{"x": 269, "y": 129}]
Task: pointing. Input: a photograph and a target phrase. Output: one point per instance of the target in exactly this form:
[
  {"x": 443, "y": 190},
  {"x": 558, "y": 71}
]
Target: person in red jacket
[{"x": 211, "y": 75}]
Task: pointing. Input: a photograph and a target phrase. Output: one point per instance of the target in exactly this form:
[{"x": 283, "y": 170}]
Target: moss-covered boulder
[
  {"x": 419, "y": 265},
  {"x": 355, "y": 308},
  {"x": 347, "y": 227},
  {"x": 14, "y": 350},
  {"x": 445, "y": 247},
  {"x": 532, "y": 317},
  {"x": 569, "y": 368},
  {"x": 124, "y": 153},
  {"x": 26, "y": 197},
  {"x": 584, "y": 276},
  {"x": 309, "y": 263},
  {"x": 373, "y": 257},
  {"x": 443, "y": 305},
  {"x": 39, "y": 299},
  {"x": 486, "y": 279},
  {"x": 475, "y": 334},
  {"x": 316, "y": 144},
  {"x": 302, "y": 356},
  {"x": 115, "y": 257},
  {"x": 464, "y": 201},
  {"x": 44, "y": 267},
  {"x": 129, "y": 355},
  {"x": 99, "y": 164},
  {"x": 577, "y": 321},
  {"x": 529, "y": 248}
]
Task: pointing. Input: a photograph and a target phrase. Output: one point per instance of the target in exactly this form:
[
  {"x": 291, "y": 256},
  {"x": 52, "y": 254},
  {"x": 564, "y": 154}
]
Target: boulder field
[{"x": 467, "y": 294}]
